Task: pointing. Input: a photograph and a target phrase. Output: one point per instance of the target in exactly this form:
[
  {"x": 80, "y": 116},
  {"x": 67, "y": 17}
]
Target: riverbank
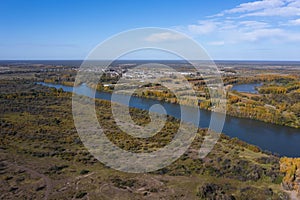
[
  {"x": 274, "y": 138},
  {"x": 241, "y": 105}
]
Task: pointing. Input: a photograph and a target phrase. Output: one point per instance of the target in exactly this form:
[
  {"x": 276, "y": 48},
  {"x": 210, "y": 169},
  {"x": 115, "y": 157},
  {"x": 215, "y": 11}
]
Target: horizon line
[{"x": 241, "y": 60}]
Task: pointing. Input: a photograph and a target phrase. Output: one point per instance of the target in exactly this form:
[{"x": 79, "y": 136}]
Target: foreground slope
[{"x": 42, "y": 157}]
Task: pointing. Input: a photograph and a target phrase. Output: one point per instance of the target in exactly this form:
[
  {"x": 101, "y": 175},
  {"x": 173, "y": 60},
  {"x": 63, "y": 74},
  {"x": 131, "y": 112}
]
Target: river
[{"x": 275, "y": 138}]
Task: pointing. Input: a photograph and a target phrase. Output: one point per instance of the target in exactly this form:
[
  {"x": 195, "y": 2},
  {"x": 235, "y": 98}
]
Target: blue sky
[{"x": 228, "y": 30}]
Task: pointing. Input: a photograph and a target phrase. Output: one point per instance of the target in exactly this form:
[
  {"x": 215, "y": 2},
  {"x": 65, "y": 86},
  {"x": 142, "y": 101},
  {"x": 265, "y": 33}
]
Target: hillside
[{"x": 42, "y": 157}]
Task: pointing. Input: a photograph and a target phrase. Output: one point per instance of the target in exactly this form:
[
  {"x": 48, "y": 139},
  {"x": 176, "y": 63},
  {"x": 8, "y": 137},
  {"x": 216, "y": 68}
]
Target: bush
[
  {"x": 84, "y": 171},
  {"x": 80, "y": 195}
]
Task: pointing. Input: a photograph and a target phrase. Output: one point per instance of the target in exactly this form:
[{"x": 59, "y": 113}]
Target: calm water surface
[
  {"x": 249, "y": 88},
  {"x": 277, "y": 139}
]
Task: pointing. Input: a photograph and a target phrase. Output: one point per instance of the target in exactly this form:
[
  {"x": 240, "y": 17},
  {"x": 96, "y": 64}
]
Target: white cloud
[
  {"x": 263, "y": 24},
  {"x": 254, "y": 24},
  {"x": 282, "y": 11},
  {"x": 295, "y": 22},
  {"x": 263, "y": 34},
  {"x": 257, "y": 21},
  {"x": 217, "y": 43},
  {"x": 162, "y": 37},
  {"x": 256, "y": 5},
  {"x": 203, "y": 27},
  {"x": 269, "y": 34},
  {"x": 266, "y": 8}
]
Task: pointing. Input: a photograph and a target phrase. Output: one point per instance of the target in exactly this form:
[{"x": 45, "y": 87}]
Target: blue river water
[
  {"x": 249, "y": 88},
  {"x": 275, "y": 138}
]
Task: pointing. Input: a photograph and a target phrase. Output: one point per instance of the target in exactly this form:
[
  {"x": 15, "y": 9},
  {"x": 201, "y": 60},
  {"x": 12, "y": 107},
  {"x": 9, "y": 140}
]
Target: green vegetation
[
  {"x": 41, "y": 156},
  {"x": 291, "y": 168},
  {"x": 277, "y": 101}
]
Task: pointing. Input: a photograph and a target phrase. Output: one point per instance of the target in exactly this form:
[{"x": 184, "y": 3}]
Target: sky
[{"x": 228, "y": 30}]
